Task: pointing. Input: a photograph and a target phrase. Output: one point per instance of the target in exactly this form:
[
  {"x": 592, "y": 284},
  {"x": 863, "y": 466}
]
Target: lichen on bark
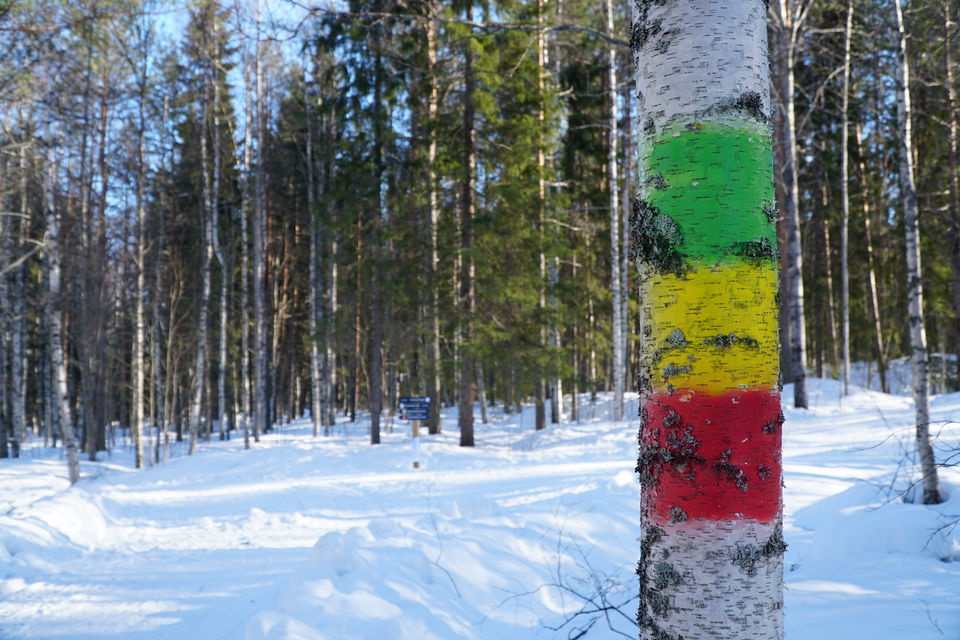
[
  {"x": 748, "y": 556},
  {"x": 656, "y": 238}
]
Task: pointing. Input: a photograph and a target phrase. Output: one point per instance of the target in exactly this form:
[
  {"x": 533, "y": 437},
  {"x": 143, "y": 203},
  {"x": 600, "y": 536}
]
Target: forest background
[{"x": 220, "y": 215}]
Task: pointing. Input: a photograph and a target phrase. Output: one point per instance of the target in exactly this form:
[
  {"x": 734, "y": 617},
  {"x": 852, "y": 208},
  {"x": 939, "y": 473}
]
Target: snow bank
[{"x": 471, "y": 569}]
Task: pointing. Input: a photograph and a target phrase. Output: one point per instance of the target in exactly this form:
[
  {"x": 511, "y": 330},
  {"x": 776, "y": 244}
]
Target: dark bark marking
[
  {"x": 656, "y": 238},
  {"x": 658, "y": 182},
  {"x": 774, "y": 426},
  {"x": 770, "y": 210},
  {"x": 762, "y": 249},
  {"x": 748, "y": 556},
  {"x": 731, "y": 471},
  {"x": 725, "y": 341}
]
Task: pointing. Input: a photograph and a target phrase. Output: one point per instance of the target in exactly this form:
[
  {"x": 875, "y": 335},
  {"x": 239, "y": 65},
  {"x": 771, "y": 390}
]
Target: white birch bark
[
  {"x": 18, "y": 351},
  {"x": 790, "y": 17},
  {"x": 708, "y": 578},
  {"x": 556, "y": 393},
  {"x": 615, "y": 232},
  {"x": 140, "y": 320},
  {"x": 330, "y": 356},
  {"x": 58, "y": 361},
  {"x": 918, "y": 336},
  {"x": 207, "y": 223}
]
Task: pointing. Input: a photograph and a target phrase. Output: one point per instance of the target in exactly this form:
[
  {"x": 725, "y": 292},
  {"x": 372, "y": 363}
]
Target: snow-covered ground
[{"x": 529, "y": 535}]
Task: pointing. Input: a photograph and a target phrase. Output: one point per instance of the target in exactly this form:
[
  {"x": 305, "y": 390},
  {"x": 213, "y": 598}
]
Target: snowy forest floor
[{"x": 528, "y": 535}]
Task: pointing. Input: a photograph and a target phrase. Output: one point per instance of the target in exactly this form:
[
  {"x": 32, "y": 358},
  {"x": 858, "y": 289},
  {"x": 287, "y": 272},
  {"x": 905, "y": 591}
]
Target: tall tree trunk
[
  {"x": 208, "y": 221},
  {"x": 625, "y": 208},
  {"x": 376, "y": 308},
  {"x": 18, "y": 338},
  {"x": 541, "y": 384},
  {"x": 433, "y": 311},
  {"x": 6, "y": 322},
  {"x": 845, "y": 195},
  {"x": 467, "y": 205},
  {"x": 248, "y": 189},
  {"x": 260, "y": 353},
  {"x": 831, "y": 346},
  {"x": 140, "y": 320},
  {"x": 218, "y": 247},
  {"x": 787, "y": 31},
  {"x": 58, "y": 361},
  {"x": 950, "y": 26},
  {"x": 873, "y": 292},
  {"x": 330, "y": 357},
  {"x": 313, "y": 293},
  {"x": 615, "y": 235},
  {"x": 556, "y": 387},
  {"x": 711, "y": 554},
  {"x": 918, "y": 336}
]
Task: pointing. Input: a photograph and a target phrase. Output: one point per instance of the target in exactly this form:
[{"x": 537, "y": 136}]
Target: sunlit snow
[{"x": 330, "y": 538}]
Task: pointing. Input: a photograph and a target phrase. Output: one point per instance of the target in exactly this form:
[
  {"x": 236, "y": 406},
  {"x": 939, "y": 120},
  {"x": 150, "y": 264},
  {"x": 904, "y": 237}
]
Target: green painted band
[{"x": 715, "y": 181}]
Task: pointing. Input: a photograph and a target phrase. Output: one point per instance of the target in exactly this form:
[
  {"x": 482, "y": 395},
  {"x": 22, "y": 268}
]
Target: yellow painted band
[{"x": 716, "y": 327}]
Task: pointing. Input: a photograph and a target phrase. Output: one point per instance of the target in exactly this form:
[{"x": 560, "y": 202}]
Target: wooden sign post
[{"x": 415, "y": 409}]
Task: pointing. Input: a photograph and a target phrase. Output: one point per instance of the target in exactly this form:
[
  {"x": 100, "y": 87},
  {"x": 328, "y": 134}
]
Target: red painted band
[{"x": 712, "y": 457}]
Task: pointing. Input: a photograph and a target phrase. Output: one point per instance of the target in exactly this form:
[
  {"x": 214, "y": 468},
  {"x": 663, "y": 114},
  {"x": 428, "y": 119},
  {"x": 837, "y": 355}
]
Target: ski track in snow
[{"x": 329, "y": 538}]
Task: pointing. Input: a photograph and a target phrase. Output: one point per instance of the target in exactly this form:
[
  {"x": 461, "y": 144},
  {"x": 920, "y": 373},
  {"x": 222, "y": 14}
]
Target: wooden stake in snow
[{"x": 703, "y": 226}]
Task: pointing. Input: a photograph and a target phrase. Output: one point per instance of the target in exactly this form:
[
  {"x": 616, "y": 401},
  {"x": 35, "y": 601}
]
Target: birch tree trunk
[
  {"x": 18, "y": 339},
  {"x": 845, "y": 196},
  {"x": 556, "y": 388},
  {"x": 918, "y": 336},
  {"x": 58, "y": 361},
  {"x": 200, "y": 357},
  {"x": 790, "y": 17},
  {"x": 330, "y": 366},
  {"x": 625, "y": 207},
  {"x": 615, "y": 240},
  {"x": 711, "y": 555},
  {"x": 140, "y": 320}
]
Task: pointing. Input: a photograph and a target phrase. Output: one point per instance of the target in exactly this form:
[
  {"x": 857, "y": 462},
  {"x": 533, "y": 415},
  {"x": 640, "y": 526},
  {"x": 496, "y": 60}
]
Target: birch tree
[
  {"x": 845, "y": 203},
  {"x": 918, "y": 335},
  {"x": 55, "y": 322},
  {"x": 790, "y": 16},
  {"x": 619, "y": 333},
  {"x": 711, "y": 556}
]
